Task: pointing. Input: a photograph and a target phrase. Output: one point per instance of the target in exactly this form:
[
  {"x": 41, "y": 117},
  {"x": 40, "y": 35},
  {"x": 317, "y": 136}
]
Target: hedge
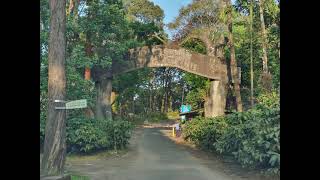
[{"x": 252, "y": 137}]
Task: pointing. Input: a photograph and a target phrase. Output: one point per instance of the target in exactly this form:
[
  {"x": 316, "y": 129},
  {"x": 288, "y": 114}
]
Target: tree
[
  {"x": 202, "y": 20},
  {"x": 233, "y": 62},
  {"x": 55, "y": 142},
  {"x": 144, "y": 11},
  {"x": 145, "y": 20},
  {"x": 266, "y": 76},
  {"x": 264, "y": 38},
  {"x": 196, "y": 86},
  {"x": 251, "y": 53},
  {"x": 104, "y": 38}
]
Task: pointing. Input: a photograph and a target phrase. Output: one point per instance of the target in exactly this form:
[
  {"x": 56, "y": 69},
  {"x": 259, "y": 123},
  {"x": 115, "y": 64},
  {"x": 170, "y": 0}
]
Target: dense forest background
[{"x": 251, "y": 30}]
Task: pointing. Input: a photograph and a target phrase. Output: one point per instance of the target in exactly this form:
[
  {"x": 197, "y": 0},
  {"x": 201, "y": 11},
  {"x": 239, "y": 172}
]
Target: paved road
[{"x": 153, "y": 156}]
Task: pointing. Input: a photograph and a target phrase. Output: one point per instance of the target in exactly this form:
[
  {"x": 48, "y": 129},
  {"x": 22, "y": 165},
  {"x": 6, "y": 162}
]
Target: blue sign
[{"x": 185, "y": 108}]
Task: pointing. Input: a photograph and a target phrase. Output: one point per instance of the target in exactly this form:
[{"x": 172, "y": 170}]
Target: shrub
[
  {"x": 173, "y": 115},
  {"x": 269, "y": 99},
  {"x": 120, "y": 134},
  {"x": 89, "y": 135},
  {"x": 252, "y": 137},
  {"x": 205, "y": 132},
  {"x": 155, "y": 117}
]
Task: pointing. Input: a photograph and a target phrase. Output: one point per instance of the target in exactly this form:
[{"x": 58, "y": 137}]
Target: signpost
[
  {"x": 184, "y": 109},
  {"x": 82, "y": 103}
]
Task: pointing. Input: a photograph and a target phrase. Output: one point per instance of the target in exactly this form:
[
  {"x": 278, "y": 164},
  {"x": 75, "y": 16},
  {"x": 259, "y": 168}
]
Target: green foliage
[
  {"x": 269, "y": 100},
  {"x": 205, "y": 132},
  {"x": 105, "y": 27},
  {"x": 43, "y": 98},
  {"x": 197, "y": 85},
  {"x": 144, "y": 11},
  {"x": 252, "y": 137},
  {"x": 90, "y": 135},
  {"x": 133, "y": 88},
  {"x": 121, "y": 133},
  {"x": 197, "y": 14},
  {"x": 195, "y": 45},
  {"x": 77, "y": 86},
  {"x": 155, "y": 117},
  {"x": 76, "y": 177},
  {"x": 196, "y": 97},
  {"x": 173, "y": 115}
]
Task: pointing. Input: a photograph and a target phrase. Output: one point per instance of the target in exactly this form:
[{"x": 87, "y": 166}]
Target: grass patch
[{"x": 77, "y": 177}]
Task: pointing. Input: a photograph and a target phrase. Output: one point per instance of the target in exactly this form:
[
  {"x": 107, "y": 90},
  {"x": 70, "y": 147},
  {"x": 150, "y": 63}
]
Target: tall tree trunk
[
  {"x": 233, "y": 62},
  {"x": 132, "y": 110},
  {"x": 103, "y": 103},
  {"x": 87, "y": 73},
  {"x": 264, "y": 38},
  {"x": 170, "y": 103},
  {"x": 55, "y": 133},
  {"x": 251, "y": 52},
  {"x": 99, "y": 110},
  {"x": 70, "y": 9},
  {"x": 266, "y": 78},
  {"x": 279, "y": 49},
  {"x": 182, "y": 96},
  {"x": 150, "y": 101},
  {"x": 169, "y": 92},
  {"x": 75, "y": 11},
  {"x": 166, "y": 99},
  {"x": 151, "y": 106}
]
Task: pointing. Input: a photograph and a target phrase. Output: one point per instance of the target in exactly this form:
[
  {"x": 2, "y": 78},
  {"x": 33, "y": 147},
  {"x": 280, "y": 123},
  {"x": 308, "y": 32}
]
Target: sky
[{"x": 171, "y": 10}]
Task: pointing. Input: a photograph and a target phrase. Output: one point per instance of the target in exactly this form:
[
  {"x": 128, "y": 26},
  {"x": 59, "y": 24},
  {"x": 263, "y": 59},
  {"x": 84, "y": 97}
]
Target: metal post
[{"x": 173, "y": 132}]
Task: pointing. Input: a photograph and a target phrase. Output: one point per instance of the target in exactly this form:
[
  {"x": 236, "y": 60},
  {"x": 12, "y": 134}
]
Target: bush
[
  {"x": 89, "y": 135},
  {"x": 269, "y": 99},
  {"x": 120, "y": 133},
  {"x": 155, "y": 117},
  {"x": 252, "y": 137},
  {"x": 204, "y": 132},
  {"x": 173, "y": 115}
]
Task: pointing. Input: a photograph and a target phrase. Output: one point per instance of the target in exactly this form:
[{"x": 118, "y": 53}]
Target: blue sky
[{"x": 171, "y": 10}]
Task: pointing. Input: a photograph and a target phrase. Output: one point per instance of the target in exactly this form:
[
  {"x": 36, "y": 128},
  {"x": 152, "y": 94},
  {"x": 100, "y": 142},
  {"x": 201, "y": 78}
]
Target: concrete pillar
[{"x": 216, "y": 100}]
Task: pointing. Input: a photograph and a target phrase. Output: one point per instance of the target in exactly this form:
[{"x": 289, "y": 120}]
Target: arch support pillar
[{"x": 216, "y": 101}]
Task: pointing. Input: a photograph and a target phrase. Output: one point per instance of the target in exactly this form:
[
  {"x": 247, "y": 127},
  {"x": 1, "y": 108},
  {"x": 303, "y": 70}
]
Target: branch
[{"x": 164, "y": 41}]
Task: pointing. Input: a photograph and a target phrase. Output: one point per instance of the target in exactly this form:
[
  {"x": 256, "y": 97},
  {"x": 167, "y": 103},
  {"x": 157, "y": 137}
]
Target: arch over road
[
  {"x": 212, "y": 67},
  {"x": 161, "y": 56}
]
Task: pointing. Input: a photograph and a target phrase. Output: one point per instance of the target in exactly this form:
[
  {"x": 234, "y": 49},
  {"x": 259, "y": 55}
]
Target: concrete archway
[{"x": 212, "y": 67}]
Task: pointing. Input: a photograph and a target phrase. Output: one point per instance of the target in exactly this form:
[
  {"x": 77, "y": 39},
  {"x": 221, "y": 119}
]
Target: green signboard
[{"x": 82, "y": 103}]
